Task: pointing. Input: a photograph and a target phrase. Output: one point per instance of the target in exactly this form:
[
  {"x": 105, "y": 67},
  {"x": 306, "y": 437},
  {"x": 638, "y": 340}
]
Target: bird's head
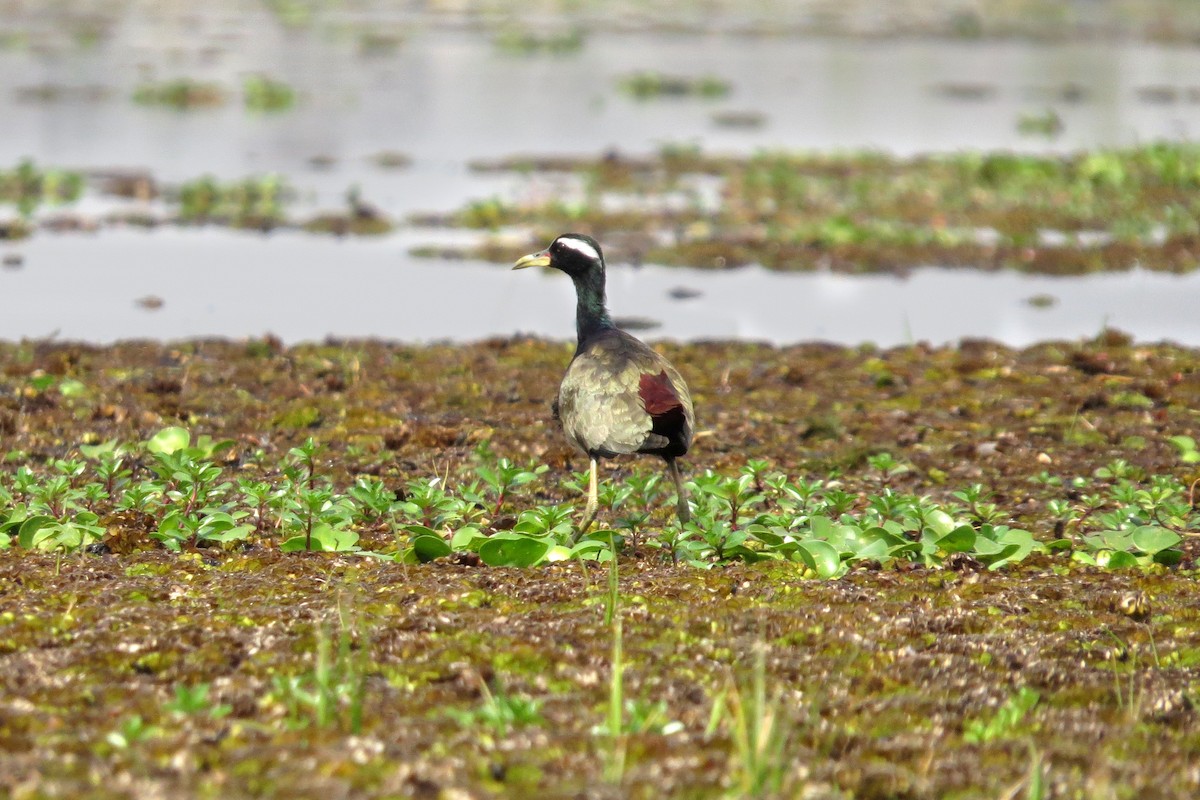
[{"x": 573, "y": 253}]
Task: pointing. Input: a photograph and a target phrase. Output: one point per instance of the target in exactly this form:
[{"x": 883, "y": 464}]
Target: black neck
[{"x": 591, "y": 316}]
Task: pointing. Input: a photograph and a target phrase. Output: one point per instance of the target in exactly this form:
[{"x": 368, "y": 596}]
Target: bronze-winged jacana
[{"x": 618, "y": 396}]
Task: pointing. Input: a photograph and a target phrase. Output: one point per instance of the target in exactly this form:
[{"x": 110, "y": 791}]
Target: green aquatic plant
[
  {"x": 648, "y": 84},
  {"x": 195, "y": 499},
  {"x": 1007, "y": 720},
  {"x": 262, "y": 93},
  {"x": 195, "y": 701},
  {"x": 311, "y": 510},
  {"x": 294, "y": 13},
  {"x": 887, "y": 466},
  {"x": 499, "y": 711},
  {"x": 333, "y": 693},
  {"x": 1186, "y": 447},
  {"x": 253, "y": 202},
  {"x": 503, "y": 477},
  {"x": 1115, "y": 518},
  {"x": 490, "y": 213},
  {"x": 428, "y": 502},
  {"x": 28, "y": 186},
  {"x": 132, "y": 731},
  {"x": 372, "y": 498},
  {"x": 1046, "y": 123},
  {"x": 518, "y": 41},
  {"x": 865, "y": 212},
  {"x": 181, "y": 94},
  {"x": 760, "y": 728},
  {"x": 613, "y": 728}
]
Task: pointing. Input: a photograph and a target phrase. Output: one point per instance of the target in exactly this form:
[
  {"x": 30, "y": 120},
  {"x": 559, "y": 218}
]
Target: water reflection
[{"x": 302, "y": 288}]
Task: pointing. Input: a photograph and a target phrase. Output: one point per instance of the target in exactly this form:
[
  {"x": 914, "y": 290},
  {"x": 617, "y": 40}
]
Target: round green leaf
[
  {"x": 821, "y": 557},
  {"x": 881, "y": 534},
  {"x": 558, "y": 553},
  {"x": 228, "y": 534},
  {"x": 94, "y": 451},
  {"x": 908, "y": 550},
  {"x": 872, "y": 550},
  {"x": 1152, "y": 538},
  {"x": 467, "y": 537},
  {"x": 324, "y": 537},
  {"x": 940, "y": 522},
  {"x": 513, "y": 552},
  {"x": 1017, "y": 536},
  {"x": 1007, "y": 554},
  {"x": 764, "y": 535},
  {"x": 846, "y": 538},
  {"x": 27, "y": 535},
  {"x": 589, "y": 549},
  {"x": 168, "y": 440},
  {"x": 429, "y": 547},
  {"x": 336, "y": 539},
  {"x": 986, "y": 547},
  {"x": 959, "y": 540},
  {"x": 1116, "y": 540},
  {"x": 1115, "y": 559},
  {"x": 294, "y": 544},
  {"x": 1170, "y": 556},
  {"x": 820, "y": 526}
]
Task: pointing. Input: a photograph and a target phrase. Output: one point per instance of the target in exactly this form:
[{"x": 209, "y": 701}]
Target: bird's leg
[
  {"x": 593, "y": 503},
  {"x": 682, "y": 511}
]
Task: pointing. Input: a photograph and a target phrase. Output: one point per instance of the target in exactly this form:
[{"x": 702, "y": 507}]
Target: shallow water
[
  {"x": 446, "y": 97},
  {"x": 301, "y": 287}
]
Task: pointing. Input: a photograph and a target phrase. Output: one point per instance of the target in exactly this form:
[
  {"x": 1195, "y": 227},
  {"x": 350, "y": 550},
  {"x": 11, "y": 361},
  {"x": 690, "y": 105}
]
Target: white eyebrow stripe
[{"x": 580, "y": 246}]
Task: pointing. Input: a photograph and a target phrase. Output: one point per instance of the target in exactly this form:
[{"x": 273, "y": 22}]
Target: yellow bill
[{"x": 541, "y": 259}]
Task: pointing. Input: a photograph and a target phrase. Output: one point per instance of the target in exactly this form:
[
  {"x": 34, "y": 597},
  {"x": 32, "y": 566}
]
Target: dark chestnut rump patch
[
  {"x": 657, "y": 393},
  {"x": 670, "y": 432}
]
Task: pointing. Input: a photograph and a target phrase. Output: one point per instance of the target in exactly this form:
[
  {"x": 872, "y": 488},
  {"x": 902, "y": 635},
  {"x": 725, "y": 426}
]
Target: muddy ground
[{"x": 879, "y": 676}]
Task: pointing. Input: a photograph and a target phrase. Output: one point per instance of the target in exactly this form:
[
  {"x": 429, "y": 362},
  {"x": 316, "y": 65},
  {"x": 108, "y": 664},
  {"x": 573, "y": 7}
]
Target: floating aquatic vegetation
[
  {"x": 250, "y": 203},
  {"x": 527, "y": 42},
  {"x": 181, "y": 94},
  {"x": 28, "y": 186},
  {"x": 863, "y": 212},
  {"x": 262, "y": 93},
  {"x": 647, "y": 85}
]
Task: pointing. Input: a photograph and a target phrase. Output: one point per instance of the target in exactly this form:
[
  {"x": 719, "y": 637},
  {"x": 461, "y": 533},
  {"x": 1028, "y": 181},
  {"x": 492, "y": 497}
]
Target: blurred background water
[{"x": 434, "y": 83}]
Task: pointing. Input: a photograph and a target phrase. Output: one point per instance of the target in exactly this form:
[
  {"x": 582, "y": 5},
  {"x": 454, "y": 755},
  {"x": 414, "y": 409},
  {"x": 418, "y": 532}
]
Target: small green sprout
[
  {"x": 132, "y": 731},
  {"x": 194, "y": 701},
  {"x": 1007, "y": 720},
  {"x": 500, "y": 711}
]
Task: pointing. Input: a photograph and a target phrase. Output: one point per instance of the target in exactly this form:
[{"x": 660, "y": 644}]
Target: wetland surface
[
  {"x": 950, "y": 527},
  {"x": 130, "y": 670}
]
